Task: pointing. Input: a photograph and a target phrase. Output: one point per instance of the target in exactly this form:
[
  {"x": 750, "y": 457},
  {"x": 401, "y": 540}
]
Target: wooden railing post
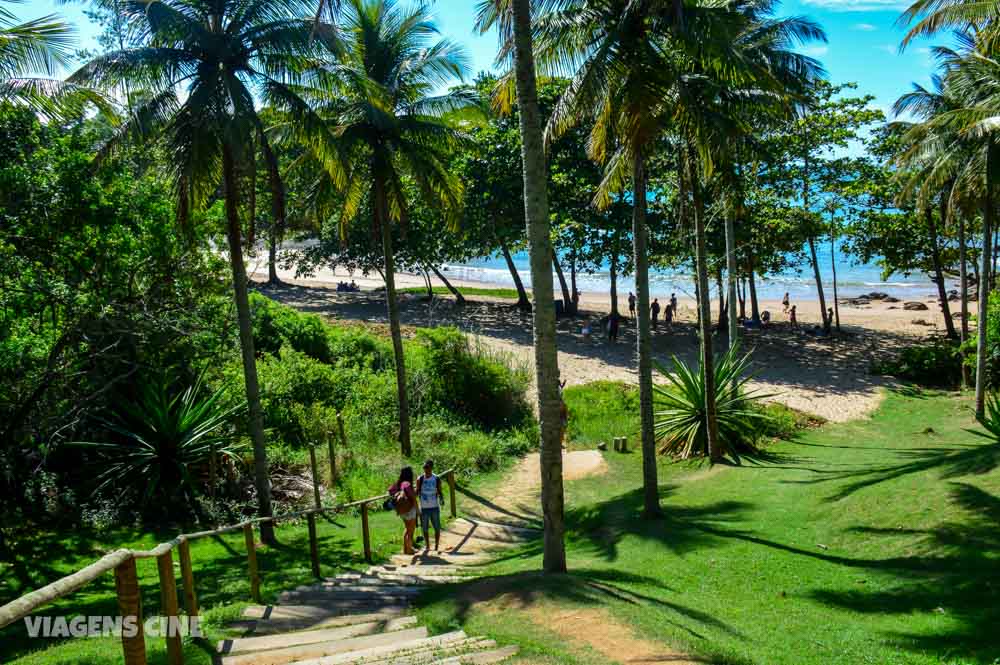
[
  {"x": 187, "y": 578},
  {"x": 130, "y": 609},
  {"x": 252, "y": 562},
  {"x": 168, "y": 608},
  {"x": 315, "y": 472},
  {"x": 313, "y": 545},
  {"x": 365, "y": 535},
  {"x": 451, "y": 489}
]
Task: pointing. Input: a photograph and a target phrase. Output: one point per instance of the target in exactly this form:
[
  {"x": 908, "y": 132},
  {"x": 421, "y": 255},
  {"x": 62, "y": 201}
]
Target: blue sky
[{"x": 863, "y": 39}]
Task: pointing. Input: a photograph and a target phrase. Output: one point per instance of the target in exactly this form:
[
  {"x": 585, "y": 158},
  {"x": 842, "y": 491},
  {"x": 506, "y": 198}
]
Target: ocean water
[{"x": 853, "y": 279}]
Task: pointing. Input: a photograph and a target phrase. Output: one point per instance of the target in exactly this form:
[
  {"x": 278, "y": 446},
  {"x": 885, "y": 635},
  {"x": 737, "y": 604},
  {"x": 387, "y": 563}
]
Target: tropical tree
[
  {"x": 513, "y": 18},
  {"x": 382, "y": 117},
  {"x": 223, "y": 55},
  {"x": 28, "y": 49}
]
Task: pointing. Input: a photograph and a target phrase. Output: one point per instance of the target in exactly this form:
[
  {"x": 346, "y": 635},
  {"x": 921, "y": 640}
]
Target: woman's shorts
[{"x": 412, "y": 515}]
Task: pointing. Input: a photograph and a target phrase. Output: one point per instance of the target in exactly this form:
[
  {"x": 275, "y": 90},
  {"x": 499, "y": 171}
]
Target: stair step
[
  {"x": 480, "y": 657},
  {"x": 442, "y": 559},
  {"x": 383, "y": 589},
  {"x": 289, "y": 638},
  {"x": 415, "y": 651},
  {"x": 430, "y": 654},
  {"x": 424, "y": 580},
  {"x": 292, "y": 654},
  {"x": 286, "y": 618},
  {"x": 329, "y": 599},
  {"x": 466, "y": 522}
]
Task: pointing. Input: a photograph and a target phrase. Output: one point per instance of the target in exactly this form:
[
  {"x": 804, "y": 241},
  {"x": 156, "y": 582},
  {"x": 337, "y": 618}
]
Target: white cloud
[
  {"x": 817, "y": 51},
  {"x": 864, "y": 27},
  {"x": 857, "y": 5},
  {"x": 891, "y": 49}
]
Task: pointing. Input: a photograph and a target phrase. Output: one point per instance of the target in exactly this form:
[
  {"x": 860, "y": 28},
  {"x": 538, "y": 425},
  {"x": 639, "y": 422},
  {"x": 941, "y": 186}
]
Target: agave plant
[
  {"x": 990, "y": 420},
  {"x": 680, "y": 422},
  {"x": 157, "y": 439}
]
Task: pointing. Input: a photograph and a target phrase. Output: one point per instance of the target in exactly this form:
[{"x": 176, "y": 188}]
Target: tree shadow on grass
[{"x": 959, "y": 578}]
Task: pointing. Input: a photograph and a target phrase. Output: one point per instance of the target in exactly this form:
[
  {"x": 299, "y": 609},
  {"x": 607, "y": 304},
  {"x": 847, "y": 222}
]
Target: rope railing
[{"x": 122, "y": 563}]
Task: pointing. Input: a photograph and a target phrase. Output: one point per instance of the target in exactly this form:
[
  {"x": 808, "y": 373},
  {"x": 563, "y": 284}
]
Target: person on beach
[
  {"x": 431, "y": 498},
  {"x": 673, "y": 302},
  {"x": 654, "y": 311},
  {"x": 668, "y": 317},
  {"x": 613, "y": 323},
  {"x": 792, "y": 318},
  {"x": 405, "y": 501},
  {"x": 631, "y": 305},
  {"x": 784, "y": 303}
]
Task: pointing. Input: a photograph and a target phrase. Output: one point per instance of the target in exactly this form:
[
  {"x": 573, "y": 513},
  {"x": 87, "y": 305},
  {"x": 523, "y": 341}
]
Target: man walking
[
  {"x": 431, "y": 498},
  {"x": 631, "y": 305},
  {"x": 654, "y": 311}
]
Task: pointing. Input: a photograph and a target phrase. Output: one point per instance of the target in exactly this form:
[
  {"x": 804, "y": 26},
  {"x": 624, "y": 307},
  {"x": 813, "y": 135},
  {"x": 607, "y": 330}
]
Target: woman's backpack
[{"x": 402, "y": 503}]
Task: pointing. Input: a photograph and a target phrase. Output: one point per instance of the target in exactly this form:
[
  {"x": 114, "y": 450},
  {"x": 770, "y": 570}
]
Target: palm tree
[
  {"x": 222, "y": 54},
  {"x": 40, "y": 46},
  {"x": 377, "y": 103},
  {"x": 513, "y": 18}
]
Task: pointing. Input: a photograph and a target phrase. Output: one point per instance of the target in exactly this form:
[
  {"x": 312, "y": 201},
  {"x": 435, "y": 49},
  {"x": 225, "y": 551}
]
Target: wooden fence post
[
  {"x": 169, "y": 611},
  {"x": 313, "y": 545},
  {"x": 187, "y": 578},
  {"x": 451, "y": 492},
  {"x": 315, "y": 472},
  {"x": 365, "y": 535},
  {"x": 252, "y": 562},
  {"x": 130, "y": 607}
]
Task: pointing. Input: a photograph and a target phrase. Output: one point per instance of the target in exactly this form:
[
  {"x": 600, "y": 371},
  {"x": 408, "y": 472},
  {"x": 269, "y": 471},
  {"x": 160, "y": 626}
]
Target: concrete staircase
[{"x": 361, "y": 617}]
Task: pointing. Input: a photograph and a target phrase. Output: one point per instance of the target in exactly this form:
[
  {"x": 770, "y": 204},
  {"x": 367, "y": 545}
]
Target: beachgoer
[
  {"x": 829, "y": 317},
  {"x": 784, "y": 303},
  {"x": 586, "y": 330},
  {"x": 431, "y": 498},
  {"x": 673, "y": 302},
  {"x": 613, "y": 323},
  {"x": 631, "y": 304},
  {"x": 354, "y": 286},
  {"x": 405, "y": 500},
  {"x": 668, "y": 316},
  {"x": 765, "y": 317},
  {"x": 654, "y": 311},
  {"x": 792, "y": 317}
]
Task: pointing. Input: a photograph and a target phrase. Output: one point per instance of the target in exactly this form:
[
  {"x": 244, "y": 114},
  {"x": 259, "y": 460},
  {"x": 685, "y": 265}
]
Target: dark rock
[
  {"x": 890, "y": 299},
  {"x": 915, "y": 306},
  {"x": 877, "y": 295}
]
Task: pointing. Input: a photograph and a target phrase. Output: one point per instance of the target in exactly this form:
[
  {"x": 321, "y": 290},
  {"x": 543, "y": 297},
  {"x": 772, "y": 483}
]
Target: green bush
[
  {"x": 938, "y": 365},
  {"x": 275, "y": 325}
]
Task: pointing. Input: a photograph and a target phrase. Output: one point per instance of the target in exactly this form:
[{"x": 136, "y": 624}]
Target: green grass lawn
[
  {"x": 220, "y": 570},
  {"x": 466, "y": 291},
  {"x": 874, "y": 541}
]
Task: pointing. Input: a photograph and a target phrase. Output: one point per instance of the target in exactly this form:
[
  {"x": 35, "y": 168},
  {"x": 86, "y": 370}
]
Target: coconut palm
[
  {"x": 28, "y": 49},
  {"x": 513, "y": 17},
  {"x": 201, "y": 64},
  {"x": 376, "y": 99}
]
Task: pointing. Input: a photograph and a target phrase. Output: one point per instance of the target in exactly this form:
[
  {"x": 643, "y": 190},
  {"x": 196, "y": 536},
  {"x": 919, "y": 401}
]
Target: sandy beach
[{"x": 828, "y": 377}]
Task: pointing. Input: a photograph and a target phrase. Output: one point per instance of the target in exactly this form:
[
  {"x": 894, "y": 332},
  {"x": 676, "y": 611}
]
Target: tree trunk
[
  {"x": 723, "y": 318},
  {"x": 963, "y": 276},
  {"x": 572, "y": 281},
  {"x": 613, "y": 276},
  {"x": 567, "y": 298},
  {"x": 734, "y": 331},
  {"x": 743, "y": 298},
  {"x": 644, "y": 343},
  {"x": 427, "y": 283},
  {"x": 459, "y": 298},
  {"x": 382, "y": 219},
  {"x": 754, "y": 305},
  {"x": 932, "y": 230},
  {"x": 272, "y": 258},
  {"x": 984, "y": 282},
  {"x": 833, "y": 268},
  {"x": 715, "y": 451},
  {"x": 812, "y": 245},
  {"x": 522, "y": 296},
  {"x": 262, "y": 480},
  {"x": 536, "y": 214}
]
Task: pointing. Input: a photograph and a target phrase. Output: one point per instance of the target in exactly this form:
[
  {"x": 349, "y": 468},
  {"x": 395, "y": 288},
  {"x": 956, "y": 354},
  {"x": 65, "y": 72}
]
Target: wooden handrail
[{"x": 21, "y": 607}]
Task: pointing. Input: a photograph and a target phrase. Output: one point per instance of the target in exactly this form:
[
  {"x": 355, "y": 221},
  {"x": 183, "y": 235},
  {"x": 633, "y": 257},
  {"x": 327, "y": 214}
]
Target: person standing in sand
[
  {"x": 784, "y": 303},
  {"x": 673, "y": 303},
  {"x": 654, "y": 312},
  {"x": 668, "y": 317},
  {"x": 792, "y": 318},
  {"x": 613, "y": 323},
  {"x": 631, "y": 305}
]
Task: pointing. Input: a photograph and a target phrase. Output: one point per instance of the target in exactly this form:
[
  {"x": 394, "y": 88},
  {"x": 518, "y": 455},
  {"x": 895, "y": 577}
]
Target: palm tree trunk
[
  {"x": 572, "y": 280},
  {"x": 723, "y": 318},
  {"x": 567, "y": 297},
  {"x": 963, "y": 278},
  {"x": 743, "y": 298},
  {"x": 522, "y": 296},
  {"x": 754, "y": 305},
  {"x": 613, "y": 277},
  {"x": 644, "y": 341},
  {"x": 734, "y": 331},
  {"x": 833, "y": 269},
  {"x": 459, "y": 298},
  {"x": 715, "y": 451},
  {"x": 382, "y": 219},
  {"x": 984, "y": 282},
  {"x": 536, "y": 214},
  {"x": 932, "y": 232},
  {"x": 272, "y": 258},
  {"x": 262, "y": 480}
]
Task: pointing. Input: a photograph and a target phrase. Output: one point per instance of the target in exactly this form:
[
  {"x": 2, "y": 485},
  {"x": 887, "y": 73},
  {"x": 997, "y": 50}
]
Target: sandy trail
[{"x": 830, "y": 378}]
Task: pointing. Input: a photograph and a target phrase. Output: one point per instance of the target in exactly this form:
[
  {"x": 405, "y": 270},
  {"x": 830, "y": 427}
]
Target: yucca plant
[
  {"x": 156, "y": 440},
  {"x": 680, "y": 423},
  {"x": 990, "y": 420}
]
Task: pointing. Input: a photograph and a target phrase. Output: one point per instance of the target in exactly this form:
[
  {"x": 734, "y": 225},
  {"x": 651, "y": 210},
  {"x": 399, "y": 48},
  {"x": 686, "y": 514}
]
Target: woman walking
[{"x": 405, "y": 501}]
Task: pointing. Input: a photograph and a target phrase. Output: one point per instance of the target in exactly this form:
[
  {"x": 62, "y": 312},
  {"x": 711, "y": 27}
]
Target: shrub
[
  {"x": 680, "y": 420},
  {"x": 937, "y": 365},
  {"x": 275, "y": 325}
]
